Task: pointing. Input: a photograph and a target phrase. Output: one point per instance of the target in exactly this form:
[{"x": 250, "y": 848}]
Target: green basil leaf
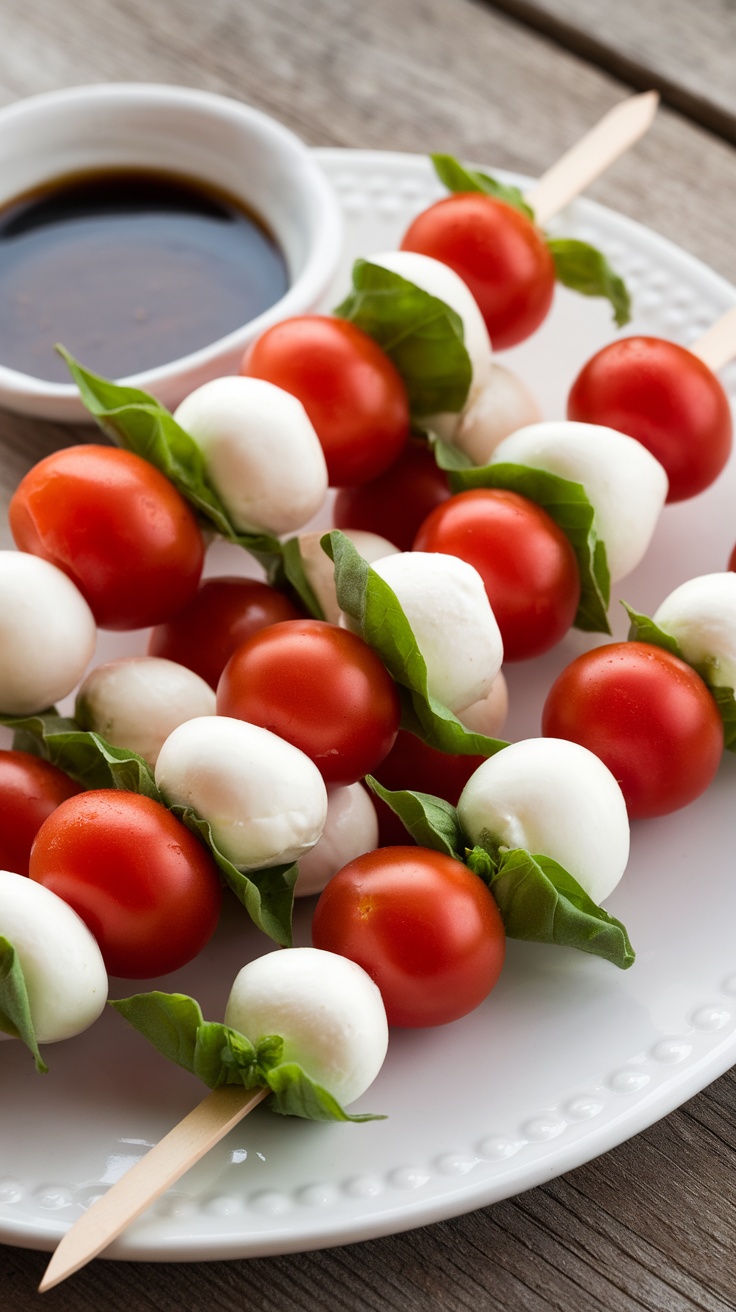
[
  {"x": 139, "y": 423},
  {"x": 586, "y": 270},
  {"x": 168, "y": 1020},
  {"x": 15, "y": 1011},
  {"x": 456, "y": 177},
  {"x": 295, "y": 1094},
  {"x": 725, "y": 700},
  {"x": 643, "y": 629},
  {"x": 421, "y": 335},
  {"x": 290, "y": 573},
  {"x": 83, "y": 755},
  {"x": 541, "y": 902},
  {"x": 375, "y": 608},
  {"x": 267, "y": 895},
  {"x": 223, "y": 1056},
  {"x": 431, "y": 821},
  {"x": 567, "y": 504}
]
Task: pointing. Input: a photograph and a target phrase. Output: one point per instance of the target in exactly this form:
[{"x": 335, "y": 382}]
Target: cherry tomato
[
  {"x": 117, "y": 527},
  {"x": 526, "y": 563},
  {"x": 422, "y": 925},
  {"x": 665, "y": 397},
  {"x": 395, "y": 504},
  {"x": 732, "y": 561},
  {"x": 221, "y": 615},
  {"x": 319, "y": 687},
  {"x": 350, "y": 389},
  {"x": 147, "y": 889},
  {"x": 647, "y": 715},
  {"x": 413, "y": 764},
  {"x": 30, "y": 789},
  {"x": 498, "y": 252}
]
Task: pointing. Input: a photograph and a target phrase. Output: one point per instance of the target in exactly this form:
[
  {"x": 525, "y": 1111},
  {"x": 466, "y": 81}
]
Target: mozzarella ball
[
  {"x": 440, "y": 280},
  {"x": 265, "y": 801},
  {"x": 701, "y": 614},
  {"x": 47, "y": 634},
  {"x": 320, "y": 570},
  {"x": 488, "y": 715},
  {"x": 625, "y": 485},
  {"x": 351, "y": 828},
  {"x": 555, "y": 799},
  {"x": 501, "y": 406},
  {"x": 137, "y": 701},
  {"x": 448, "y": 609},
  {"x": 327, "y": 1010},
  {"x": 62, "y": 964},
  {"x": 262, "y": 454}
]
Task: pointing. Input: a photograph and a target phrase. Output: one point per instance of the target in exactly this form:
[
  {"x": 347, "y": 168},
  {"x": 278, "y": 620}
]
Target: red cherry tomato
[
  {"x": 422, "y": 925},
  {"x": 147, "y": 889},
  {"x": 350, "y": 389},
  {"x": 221, "y": 615},
  {"x": 498, "y": 252},
  {"x": 395, "y": 504},
  {"x": 415, "y": 765},
  {"x": 526, "y": 563},
  {"x": 117, "y": 527},
  {"x": 30, "y": 789},
  {"x": 319, "y": 687},
  {"x": 647, "y": 715},
  {"x": 665, "y": 397},
  {"x": 732, "y": 561}
]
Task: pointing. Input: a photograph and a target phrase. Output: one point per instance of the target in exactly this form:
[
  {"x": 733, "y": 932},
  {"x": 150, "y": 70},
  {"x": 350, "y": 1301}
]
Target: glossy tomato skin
[
  {"x": 526, "y": 563},
  {"x": 415, "y": 765},
  {"x": 117, "y": 527},
  {"x": 30, "y": 789},
  {"x": 498, "y": 252},
  {"x": 647, "y": 715},
  {"x": 221, "y": 615},
  {"x": 422, "y": 925},
  {"x": 319, "y": 687},
  {"x": 350, "y": 389},
  {"x": 395, "y": 504},
  {"x": 665, "y": 397},
  {"x": 147, "y": 889}
]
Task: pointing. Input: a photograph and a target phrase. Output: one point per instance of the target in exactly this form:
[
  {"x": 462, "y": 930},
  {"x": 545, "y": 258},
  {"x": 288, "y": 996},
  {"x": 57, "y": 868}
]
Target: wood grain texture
[{"x": 650, "y": 1225}]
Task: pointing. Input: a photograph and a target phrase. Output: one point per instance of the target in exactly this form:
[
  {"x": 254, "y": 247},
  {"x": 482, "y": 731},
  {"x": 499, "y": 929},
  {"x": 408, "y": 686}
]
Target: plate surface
[{"x": 568, "y": 1056}]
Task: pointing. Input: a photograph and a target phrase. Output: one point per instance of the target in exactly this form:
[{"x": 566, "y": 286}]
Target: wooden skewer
[
  {"x": 619, "y": 129},
  {"x": 161, "y": 1167},
  {"x": 716, "y": 347}
]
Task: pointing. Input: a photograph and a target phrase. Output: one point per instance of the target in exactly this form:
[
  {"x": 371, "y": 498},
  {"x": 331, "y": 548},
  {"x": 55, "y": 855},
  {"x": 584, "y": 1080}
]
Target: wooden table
[{"x": 651, "y": 1224}]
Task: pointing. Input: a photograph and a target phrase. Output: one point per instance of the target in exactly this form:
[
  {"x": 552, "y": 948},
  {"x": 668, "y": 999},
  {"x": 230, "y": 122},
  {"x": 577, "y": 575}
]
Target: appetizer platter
[{"x": 567, "y": 1056}]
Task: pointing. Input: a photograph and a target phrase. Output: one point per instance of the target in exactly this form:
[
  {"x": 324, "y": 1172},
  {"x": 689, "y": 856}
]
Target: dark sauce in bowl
[{"x": 130, "y": 269}]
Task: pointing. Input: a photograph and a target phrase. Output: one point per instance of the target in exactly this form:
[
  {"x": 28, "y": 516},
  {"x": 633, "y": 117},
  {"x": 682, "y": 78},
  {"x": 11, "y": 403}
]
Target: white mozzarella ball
[
  {"x": 261, "y": 451},
  {"x": 137, "y": 701},
  {"x": 265, "y": 801},
  {"x": 351, "y": 828},
  {"x": 47, "y": 634},
  {"x": 448, "y": 609},
  {"x": 701, "y": 614},
  {"x": 327, "y": 1010},
  {"x": 555, "y": 799},
  {"x": 62, "y": 965},
  {"x": 625, "y": 484},
  {"x": 488, "y": 715},
  {"x": 320, "y": 570},
  {"x": 501, "y": 406},
  {"x": 440, "y": 280}
]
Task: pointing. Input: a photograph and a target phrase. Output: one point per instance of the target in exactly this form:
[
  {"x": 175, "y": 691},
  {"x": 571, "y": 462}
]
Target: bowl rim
[{"x": 307, "y": 288}]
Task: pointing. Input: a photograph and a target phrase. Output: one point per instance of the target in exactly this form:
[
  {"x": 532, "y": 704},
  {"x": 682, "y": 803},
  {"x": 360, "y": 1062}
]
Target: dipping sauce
[{"x": 129, "y": 269}]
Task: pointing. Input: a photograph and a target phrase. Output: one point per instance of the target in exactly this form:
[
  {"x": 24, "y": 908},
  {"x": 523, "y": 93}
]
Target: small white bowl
[{"x": 206, "y": 137}]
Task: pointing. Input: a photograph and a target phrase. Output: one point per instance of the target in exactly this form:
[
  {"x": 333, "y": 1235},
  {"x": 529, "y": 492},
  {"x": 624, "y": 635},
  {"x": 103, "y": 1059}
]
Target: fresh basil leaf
[
  {"x": 725, "y": 700},
  {"x": 223, "y": 1056},
  {"x": 543, "y": 903},
  {"x": 643, "y": 629},
  {"x": 291, "y": 573},
  {"x": 139, "y": 423},
  {"x": 431, "y": 821},
  {"x": 567, "y": 504},
  {"x": 168, "y": 1020},
  {"x": 83, "y": 755},
  {"x": 375, "y": 608},
  {"x": 15, "y": 1011},
  {"x": 586, "y": 270},
  {"x": 267, "y": 895},
  {"x": 295, "y": 1094},
  {"x": 421, "y": 335},
  {"x": 456, "y": 177}
]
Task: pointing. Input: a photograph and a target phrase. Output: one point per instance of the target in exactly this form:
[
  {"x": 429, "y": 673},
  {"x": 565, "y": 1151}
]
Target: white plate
[{"x": 568, "y": 1056}]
